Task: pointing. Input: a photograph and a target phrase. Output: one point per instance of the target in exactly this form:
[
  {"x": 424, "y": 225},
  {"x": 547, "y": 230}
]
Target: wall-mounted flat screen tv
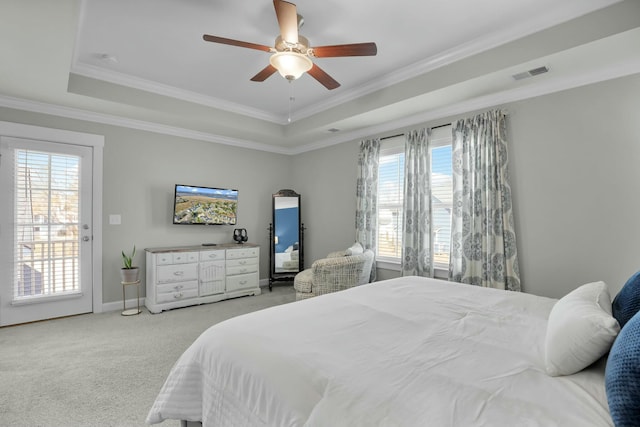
[{"x": 204, "y": 205}]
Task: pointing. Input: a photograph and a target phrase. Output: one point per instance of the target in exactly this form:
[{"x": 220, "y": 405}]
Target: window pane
[
  {"x": 390, "y": 188},
  {"x": 390, "y": 199},
  {"x": 46, "y": 224},
  {"x": 441, "y": 204}
]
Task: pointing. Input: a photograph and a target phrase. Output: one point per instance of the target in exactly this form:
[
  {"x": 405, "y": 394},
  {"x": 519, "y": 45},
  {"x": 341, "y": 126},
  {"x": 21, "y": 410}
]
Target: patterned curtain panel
[
  {"x": 483, "y": 240},
  {"x": 367, "y": 197},
  {"x": 416, "y": 230}
]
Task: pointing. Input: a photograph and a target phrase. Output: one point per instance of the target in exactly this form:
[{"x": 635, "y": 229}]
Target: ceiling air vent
[{"x": 530, "y": 73}]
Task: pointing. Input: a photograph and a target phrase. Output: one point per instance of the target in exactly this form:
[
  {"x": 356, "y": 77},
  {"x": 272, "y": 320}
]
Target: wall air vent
[{"x": 530, "y": 73}]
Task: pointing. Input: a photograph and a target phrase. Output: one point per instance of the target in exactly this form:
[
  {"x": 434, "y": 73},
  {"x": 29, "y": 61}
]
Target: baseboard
[{"x": 117, "y": 305}]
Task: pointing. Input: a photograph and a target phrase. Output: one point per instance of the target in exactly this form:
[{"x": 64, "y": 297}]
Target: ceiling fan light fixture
[{"x": 290, "y": 65}]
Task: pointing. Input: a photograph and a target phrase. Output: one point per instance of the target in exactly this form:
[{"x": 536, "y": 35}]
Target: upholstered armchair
[{"x": 334, "y": 273}]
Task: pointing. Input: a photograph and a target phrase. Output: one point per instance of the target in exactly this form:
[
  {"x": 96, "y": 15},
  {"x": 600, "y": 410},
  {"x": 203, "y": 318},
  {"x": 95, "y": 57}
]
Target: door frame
[{"x": 96, "y": 143}]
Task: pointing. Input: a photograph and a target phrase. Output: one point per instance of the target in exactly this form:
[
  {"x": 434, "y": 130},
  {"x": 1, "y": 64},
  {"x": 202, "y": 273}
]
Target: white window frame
[{"x": 440, "y": 137}]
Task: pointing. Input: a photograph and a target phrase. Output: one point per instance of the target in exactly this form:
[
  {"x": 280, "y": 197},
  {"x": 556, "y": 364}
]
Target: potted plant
[{"x": 128, "y": 272}]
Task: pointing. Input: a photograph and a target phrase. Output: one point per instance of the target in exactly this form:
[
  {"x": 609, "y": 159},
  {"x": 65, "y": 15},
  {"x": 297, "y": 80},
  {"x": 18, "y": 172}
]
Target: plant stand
[{"x": 131, "y": 311}]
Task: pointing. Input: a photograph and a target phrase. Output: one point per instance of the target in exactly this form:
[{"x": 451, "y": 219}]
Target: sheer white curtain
[
  {"x": 416, "y": 233},
  {"x": 367, "y": 196},
  {"x": 483, "y": 250}
]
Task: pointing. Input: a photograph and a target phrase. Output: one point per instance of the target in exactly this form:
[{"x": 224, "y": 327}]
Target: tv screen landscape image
[{"x": 204, "y": 205}]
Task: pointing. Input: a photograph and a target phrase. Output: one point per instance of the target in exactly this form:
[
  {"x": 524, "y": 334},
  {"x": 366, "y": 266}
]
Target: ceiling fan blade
[
  {"x": 264, "y": 74},
  {"x": 354, "y": 49},
  {"x": 324, "y": 78},
  {"x": 287, "y": 20},
  {"x": 232, "y": 42}
]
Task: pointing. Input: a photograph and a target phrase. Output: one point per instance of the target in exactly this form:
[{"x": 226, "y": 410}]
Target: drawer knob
[
  {"x": 178, "y": 273},
  {"x": 243, "y": 282},
  {"x": 178, "y": 295},
  {"x": 178, "y": 287}
]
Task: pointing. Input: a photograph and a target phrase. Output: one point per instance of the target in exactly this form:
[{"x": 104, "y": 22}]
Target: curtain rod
[{"x": 401, "y": 134}]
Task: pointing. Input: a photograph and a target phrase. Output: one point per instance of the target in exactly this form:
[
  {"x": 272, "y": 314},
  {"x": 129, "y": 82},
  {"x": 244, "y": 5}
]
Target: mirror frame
[{"x": 285, "y": 275}]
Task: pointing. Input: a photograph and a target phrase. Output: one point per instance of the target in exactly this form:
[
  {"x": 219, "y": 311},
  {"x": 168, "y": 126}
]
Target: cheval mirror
[{"x": 286, "y": 237}]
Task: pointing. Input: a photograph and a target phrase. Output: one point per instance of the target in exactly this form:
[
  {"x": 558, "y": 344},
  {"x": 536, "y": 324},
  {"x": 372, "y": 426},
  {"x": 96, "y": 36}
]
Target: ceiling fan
[{"x": 291, "y": 51}]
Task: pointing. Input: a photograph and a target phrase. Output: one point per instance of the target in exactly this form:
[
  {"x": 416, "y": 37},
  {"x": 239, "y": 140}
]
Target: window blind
[
  {"x": 390, "y": 197},
  {"x": 441, "y": 204},
  {"x": 46, "y": 224}
]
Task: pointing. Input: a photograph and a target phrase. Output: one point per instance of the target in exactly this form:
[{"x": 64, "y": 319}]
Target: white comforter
[{"x": 402, "y": 352}]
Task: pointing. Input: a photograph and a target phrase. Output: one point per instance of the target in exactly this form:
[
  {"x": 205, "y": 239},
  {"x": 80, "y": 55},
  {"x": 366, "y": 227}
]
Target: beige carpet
[{"x": 103, "y": 369}]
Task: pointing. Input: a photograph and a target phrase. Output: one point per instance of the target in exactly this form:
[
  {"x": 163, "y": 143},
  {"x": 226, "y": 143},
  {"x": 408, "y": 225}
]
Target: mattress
[{"x": 402, "y": 352}]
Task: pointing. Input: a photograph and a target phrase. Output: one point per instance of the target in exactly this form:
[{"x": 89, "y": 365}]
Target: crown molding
[
  {"x": 447, "y": 57},
  {"x": 108, "y": 119},
  {"x": 544, "y": 87},
  {"x": 563, "y": 13},
  {"x": 127, "y": 80},
  {"x": 487, "y": 101}
]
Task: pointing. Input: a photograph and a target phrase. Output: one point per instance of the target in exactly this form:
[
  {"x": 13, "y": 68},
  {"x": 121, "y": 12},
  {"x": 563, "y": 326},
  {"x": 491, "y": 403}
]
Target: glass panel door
[{"x": 48, "y": 188}]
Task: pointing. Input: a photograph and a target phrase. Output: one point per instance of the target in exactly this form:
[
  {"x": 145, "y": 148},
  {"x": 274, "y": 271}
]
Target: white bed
[{"x": 402, "y": 352}]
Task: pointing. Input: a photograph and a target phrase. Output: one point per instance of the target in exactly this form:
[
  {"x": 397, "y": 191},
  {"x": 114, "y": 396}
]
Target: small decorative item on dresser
[
  {"x": 129, "y": 273},
  {"x": 240, "y": 235}
]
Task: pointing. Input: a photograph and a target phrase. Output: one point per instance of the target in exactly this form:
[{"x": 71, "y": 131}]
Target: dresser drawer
[
  {"x": 242, "y": 266},
  {"x": 177, "y": 273},
  {"x": 242, "y": 262},
  {"x": 212, "y": 255},
  {"x": 177, "y": 287},
  {"x": 185, "y": 257},
  {"x": 242, "y": 281},
  {"x": 176, "y": 258},
  {"x": 242, "y": 253},
  {"x": 176, "y": 296},
  {"x": 164, "y": 258}
]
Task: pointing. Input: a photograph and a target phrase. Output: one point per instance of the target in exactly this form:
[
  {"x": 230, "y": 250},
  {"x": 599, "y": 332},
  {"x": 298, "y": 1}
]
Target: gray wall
[
  {"x": 140, "y": 171},
  {"x": 574, "y": 175},
  {"x": 326, "y": 180},
  {"x": 575, "y": 183}
]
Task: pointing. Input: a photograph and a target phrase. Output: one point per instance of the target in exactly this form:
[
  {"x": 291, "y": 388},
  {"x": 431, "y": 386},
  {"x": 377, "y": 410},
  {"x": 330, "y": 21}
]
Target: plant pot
[{"x": 129, "y": 275}]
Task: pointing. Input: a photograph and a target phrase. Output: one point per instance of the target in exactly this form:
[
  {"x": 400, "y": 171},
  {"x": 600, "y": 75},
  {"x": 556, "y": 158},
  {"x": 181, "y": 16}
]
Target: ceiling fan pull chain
[{"x": 291, "y": 99}]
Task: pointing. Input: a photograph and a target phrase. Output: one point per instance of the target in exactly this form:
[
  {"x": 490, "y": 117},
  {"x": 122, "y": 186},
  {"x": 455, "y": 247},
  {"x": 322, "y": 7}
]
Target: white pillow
[
  {"x": 355, "y": 249},
  {"x": 580, "y": 329},
  {"x": 366, "y": 269}
]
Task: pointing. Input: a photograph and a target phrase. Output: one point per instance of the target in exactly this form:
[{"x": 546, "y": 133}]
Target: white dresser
[{"x": 191, "y": 275}]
